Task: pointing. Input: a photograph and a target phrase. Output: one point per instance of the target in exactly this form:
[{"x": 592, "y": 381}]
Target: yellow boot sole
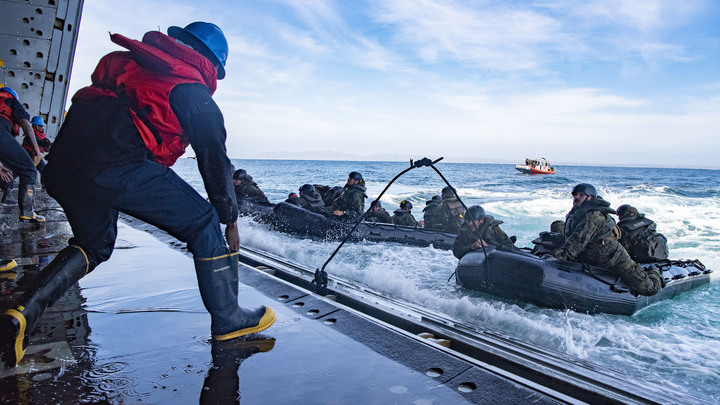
[{"x": 265, "y": 322}]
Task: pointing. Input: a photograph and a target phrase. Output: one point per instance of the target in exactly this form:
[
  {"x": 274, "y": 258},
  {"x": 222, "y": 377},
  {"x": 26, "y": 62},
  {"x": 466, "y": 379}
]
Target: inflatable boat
[
  {"x": 517, "y": 274},
  {"x": 290, "y": 218},
  {"x": 260, "y": 212}
]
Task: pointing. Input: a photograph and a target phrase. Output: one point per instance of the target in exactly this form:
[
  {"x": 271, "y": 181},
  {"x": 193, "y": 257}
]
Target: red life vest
[
  {"x": 39, "y": 135},
  {"x": 6, "y": 110},
  {"x": 144, "y": 77}
]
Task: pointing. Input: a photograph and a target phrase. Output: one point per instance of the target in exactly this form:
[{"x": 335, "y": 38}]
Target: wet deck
[{"x": 135, "y": 330}]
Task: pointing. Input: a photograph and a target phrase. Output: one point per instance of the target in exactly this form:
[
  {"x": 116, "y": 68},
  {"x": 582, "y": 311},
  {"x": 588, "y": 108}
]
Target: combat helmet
[
  {"x": 240, "y": 174},
  {"x": 307, "y": 189},
  {"x": 474, "y": 213},
  {"x": 586, "y": 188}
]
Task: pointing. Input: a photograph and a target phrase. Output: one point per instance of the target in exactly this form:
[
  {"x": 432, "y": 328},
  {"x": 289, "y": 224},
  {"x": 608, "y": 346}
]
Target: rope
[
  {"x": 321, "y": 278},
  {"x": 476, "y": 232}
]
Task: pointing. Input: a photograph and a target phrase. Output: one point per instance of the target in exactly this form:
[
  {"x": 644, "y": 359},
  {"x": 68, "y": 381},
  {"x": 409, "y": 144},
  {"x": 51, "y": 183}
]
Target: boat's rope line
[
  {"x": 662, "y": 266},
  {"x": 321, "y": 278}
]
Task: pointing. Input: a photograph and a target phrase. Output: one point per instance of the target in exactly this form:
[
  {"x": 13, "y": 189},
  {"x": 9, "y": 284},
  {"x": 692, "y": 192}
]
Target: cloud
[
  {"x": 481, "y": 79},
  {"x": 488, "y": 37},
  {"x": 510, "y": 37}
]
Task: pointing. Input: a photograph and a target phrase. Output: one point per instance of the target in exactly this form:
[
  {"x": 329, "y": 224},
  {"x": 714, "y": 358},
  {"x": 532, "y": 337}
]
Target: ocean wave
[{"x": 674, "y": 343}]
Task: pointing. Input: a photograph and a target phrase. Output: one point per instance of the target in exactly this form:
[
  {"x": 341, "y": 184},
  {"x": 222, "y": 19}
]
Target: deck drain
[
  {"x": 467, "y": 387},
  {"x": 434, "y": 372}
]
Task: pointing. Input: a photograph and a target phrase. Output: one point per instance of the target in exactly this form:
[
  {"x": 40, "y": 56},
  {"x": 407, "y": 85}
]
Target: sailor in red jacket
[
  {"x": 13, "y": 117},
  {"x": 113, "y": 154},
  {"x": 38, "y": 126}
]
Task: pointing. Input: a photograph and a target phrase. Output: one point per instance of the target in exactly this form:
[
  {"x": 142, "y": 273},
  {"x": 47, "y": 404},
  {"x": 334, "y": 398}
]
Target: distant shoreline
[{"x": 453, "y": 161}]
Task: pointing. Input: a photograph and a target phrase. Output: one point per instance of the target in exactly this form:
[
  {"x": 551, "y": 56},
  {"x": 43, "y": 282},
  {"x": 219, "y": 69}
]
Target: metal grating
[{"x": 37, "y": 47}]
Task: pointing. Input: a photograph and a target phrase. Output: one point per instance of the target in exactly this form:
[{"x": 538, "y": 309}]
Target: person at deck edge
[{"x": 113, "y": 154}]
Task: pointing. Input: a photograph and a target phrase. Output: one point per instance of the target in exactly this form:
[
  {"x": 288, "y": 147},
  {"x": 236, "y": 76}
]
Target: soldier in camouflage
[
  {"x": 403, "y": 215},
  {"x": 432, "y": 213},
  {"x": 351, "y": 202},
  {"x": 246, "y": 188},
  {"x": 310, "y": 199},
  {"x": 589, "y": 237},
  {"x": 477, "y": 231},
  {"x": 452, "y": 211},
  {"x": 640, "y": 236},
  {"x": 378, "y": 214}
]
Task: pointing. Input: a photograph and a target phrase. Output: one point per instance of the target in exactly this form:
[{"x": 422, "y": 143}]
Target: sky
[{"x": 600, "y": 82}]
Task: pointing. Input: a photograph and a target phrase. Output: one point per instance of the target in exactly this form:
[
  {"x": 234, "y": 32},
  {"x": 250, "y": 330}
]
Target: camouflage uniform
[
  {"x": 452, "y": 214},
  {"x": 589, "y": 237},
  {"x": 403, "y": 217},
  {"x": 639, "y": 236},
  {"x": 328, "y": 194},
  {"x": 312, "y": 202},
  {"x": 351, "y": 201},
  {"x": 381, "y": 216},
  {"x": 249, "y": 190},
  {"x": 432, "y": 213},
  {"x": 490, "y": 232}
]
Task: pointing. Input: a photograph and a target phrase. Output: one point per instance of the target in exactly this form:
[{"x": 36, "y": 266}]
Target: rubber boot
[
  {"x": 7, "y": 197},
  {"x": 26, "y": 200},
  {"x": 218, "y": 282},
  {"x": 6, "y": 188},
  {"x": 7, "y": 264},
  {"x": 16, "y": 324}
]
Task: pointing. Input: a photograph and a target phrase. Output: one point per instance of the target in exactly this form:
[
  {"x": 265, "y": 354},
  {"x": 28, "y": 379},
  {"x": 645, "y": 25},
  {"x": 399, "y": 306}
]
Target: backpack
[{"x": 642, "y": 241}]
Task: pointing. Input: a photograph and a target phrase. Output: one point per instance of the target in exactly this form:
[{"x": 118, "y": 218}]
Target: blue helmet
[
  {"x": 206, "y": 38},
  {"x": 37, "y": 120},
  {"x": 9, "y": 90}
]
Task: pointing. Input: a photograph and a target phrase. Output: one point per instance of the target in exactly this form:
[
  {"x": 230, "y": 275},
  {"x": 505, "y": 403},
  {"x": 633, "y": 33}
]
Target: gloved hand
[
  {"x": 655, "y": 275},
  {"x": 563, "y": 255}
]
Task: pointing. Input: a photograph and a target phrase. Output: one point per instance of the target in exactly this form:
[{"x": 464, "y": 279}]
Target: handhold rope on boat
[
  {"x": 667, "y": 263},
  {"x": 321, "y": 279},
  {"x": 661, "y": 266}
]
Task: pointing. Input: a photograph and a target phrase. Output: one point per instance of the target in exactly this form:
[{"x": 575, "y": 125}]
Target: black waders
[{"x": 16, "y": 324}]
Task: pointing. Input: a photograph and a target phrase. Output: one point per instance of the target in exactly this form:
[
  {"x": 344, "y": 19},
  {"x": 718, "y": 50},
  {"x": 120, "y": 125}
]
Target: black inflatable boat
[
  {"x": 296, "y": 220},
  {"x": 550, "y": 282}
]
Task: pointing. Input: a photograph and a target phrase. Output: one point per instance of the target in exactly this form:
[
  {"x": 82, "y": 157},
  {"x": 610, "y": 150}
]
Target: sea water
[{"x": 674, "y": 343}]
